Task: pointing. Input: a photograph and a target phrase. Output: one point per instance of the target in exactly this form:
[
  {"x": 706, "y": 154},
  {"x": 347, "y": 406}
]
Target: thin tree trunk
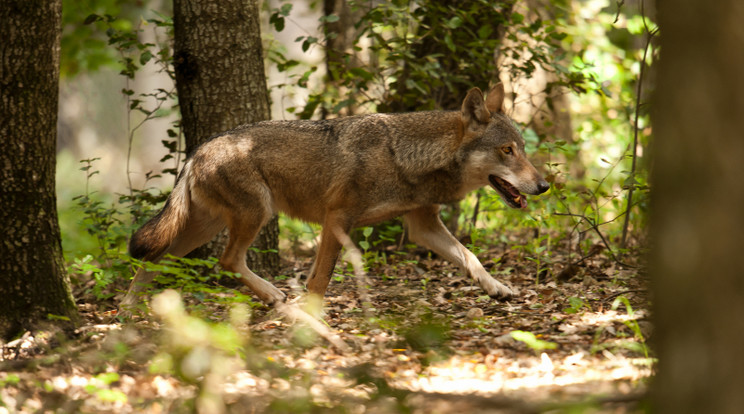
[
  {"x": 221, "y": 85},
  {"x": 33, "y": 282},
  {"x": 698, "y": 208},
  {"x": 340, "y": 37}
]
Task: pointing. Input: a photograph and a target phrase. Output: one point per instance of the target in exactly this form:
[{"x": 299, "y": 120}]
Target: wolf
[{"x": 342, "y": 173}]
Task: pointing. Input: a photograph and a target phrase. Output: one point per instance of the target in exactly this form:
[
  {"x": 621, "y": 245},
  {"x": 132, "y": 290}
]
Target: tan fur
[{"x": 341, "y": 173}]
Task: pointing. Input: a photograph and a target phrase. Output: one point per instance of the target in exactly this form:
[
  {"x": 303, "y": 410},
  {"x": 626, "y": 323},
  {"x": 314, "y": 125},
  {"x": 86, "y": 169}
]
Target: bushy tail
[{"x": 155, "y": 236}]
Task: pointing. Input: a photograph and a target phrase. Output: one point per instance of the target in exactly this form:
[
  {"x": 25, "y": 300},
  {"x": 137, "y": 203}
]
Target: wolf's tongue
[{"x": 521, "y": 200}]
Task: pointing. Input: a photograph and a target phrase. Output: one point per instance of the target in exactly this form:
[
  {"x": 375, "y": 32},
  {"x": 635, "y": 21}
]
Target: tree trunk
[
  {"x": 221, "y": 85},
  {"x": 33, "y": 283},
  {"x": 698, "y": 208},
  {"x": 340, "y": 37}
]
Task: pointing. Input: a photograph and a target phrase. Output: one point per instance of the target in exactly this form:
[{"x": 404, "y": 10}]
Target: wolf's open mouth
[{"x": 511, "y": 195}]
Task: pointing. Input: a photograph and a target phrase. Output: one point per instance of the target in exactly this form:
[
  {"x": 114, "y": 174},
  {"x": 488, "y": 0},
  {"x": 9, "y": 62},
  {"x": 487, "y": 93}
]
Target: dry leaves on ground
[{"x": 422, "y": 339}]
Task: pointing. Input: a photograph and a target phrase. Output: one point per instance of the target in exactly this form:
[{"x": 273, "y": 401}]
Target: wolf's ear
[
  {"x": 495, "y": 99},
  {"x": 473, "y": 109}
]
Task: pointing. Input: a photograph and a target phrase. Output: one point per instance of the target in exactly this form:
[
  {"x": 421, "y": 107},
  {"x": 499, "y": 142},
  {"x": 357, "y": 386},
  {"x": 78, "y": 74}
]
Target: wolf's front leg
[{"x": 426, "y": 228}]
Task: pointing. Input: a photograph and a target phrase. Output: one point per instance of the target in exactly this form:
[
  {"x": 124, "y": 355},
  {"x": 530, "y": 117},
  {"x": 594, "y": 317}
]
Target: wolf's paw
[
  {"x": 496, "y": 289},
  {"x": 272, "y": 296},
  {"x": 269, "y": 294}
]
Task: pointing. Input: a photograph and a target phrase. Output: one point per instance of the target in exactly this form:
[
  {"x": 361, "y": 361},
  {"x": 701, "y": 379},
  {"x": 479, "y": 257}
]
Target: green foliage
[
  {"x": 575, "y": 305},
  {"x": 199, "y": 352},
  {"x": 100, "y": 221},
  {"x": 99, "y": 388},
  {"x": 190, "y": 275},
  {"x": 132, "y": 55},
  {"x": 364, "y": 244},
  {"x": 111, "y": 226},
  {"x": 10, "y": 379},
  {"x": 639, "y": 345},
  {"x": 425, "y": 55},
  {"x": 84, "y": 46},
  {"x": 532, "y": 341}
]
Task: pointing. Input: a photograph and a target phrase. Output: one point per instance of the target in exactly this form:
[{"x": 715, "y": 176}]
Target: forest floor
[{"x": 419, "y": 338}]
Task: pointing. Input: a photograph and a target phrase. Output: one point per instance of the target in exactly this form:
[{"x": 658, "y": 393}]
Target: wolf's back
[{"x": 154, "y": 237}]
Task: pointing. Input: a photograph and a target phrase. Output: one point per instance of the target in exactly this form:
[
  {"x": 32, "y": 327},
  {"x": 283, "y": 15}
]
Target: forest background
[{"x": 579, "y": 76}]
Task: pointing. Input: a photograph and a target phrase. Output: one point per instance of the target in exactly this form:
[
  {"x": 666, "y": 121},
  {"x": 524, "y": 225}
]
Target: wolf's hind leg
[
  {"x": 242, "y": 233},
  {"x": 328, "y": 251},
  {"x": 200, "y": 228},
  {"x": 426, "y": 228}
]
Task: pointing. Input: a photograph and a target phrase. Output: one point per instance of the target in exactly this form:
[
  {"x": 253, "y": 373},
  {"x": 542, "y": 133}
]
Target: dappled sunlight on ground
[{"x": 419, "y": 336}]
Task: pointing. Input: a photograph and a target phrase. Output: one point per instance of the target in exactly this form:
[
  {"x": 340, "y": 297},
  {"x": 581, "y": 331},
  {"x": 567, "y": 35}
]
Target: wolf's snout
[{"x": 542, "y": 186}]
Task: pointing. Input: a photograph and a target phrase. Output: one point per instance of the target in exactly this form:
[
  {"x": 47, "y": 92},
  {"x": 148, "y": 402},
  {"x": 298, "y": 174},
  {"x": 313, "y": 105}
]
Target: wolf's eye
[{"x": 507, "y": 150}]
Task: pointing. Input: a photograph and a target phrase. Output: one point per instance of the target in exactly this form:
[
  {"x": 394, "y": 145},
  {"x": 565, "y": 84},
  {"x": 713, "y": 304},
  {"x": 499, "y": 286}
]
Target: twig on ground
[
  {"x": 601, "y": 236},
  {"x": 614, "y": 295}
]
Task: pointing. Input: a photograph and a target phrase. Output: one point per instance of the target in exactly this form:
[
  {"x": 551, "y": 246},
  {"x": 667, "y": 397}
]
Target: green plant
[
  {"x": 99, "y": 387},
  {"x": 364, "y": 244},
  {"x": 133, "y": 55},
  {"x": 197, "y": 351},
  {"x": 532, "y": 341},
  {"x": 107, "y": 224},
  {"x": 100, "y": 221},
  {"x": 575, "y": 305},
  {"x": 632, "y": 324}
]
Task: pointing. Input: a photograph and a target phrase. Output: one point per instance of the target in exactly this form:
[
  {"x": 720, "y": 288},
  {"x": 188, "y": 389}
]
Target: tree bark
[
  {"x": 221, "y": 85},
  {"x": 698, "y": 208},
  {"x": 340, "y": 37},
  {"x": 33, "y": 282}
]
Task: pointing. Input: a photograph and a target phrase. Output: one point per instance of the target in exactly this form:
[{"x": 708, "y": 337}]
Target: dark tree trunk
[
  {"x": 698, "y": 208},
  {"x": 33, "y": 283},
  {"x": 221, "y": 85},
  {"x": 340, "y": 36}
]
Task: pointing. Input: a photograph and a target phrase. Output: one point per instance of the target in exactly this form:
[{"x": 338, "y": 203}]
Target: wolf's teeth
[{"x": 516, "y": 199}]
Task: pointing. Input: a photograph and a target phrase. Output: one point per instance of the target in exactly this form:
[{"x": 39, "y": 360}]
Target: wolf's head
[{"x": 495, "y": 149}]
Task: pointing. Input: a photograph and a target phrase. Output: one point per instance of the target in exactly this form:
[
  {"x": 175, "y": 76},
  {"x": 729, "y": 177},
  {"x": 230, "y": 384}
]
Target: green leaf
[
  {"x": 558, "y": 36},
  {"x": 145, "y": 57},
  {"x": 362, "y": 73},
  {"x": 111, "y": 396},
  {"x": 485, "y": 31},
  {"x": 285, "y": 9},
  {"x": 532, "y": 341},
  {"x": 108, "y": 377},
  {"x": 330, "y": 18},
  {"x": 91, "y": 18},
  {"x": 309, "y": 41},
  {"x": 277, "y": 21},
  {"x": 448, "y": 41},
  {"x": 454, "y": 22},
  {"x": 283, "y": 66}
]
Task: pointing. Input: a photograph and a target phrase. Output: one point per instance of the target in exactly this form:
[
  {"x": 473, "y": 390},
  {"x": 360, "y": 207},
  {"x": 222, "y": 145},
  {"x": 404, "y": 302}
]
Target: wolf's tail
[{"x": 154, "y": 237}]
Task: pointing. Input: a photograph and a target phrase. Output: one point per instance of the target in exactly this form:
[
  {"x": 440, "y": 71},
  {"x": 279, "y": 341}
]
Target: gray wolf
[{"x": 342, "y": 173}]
